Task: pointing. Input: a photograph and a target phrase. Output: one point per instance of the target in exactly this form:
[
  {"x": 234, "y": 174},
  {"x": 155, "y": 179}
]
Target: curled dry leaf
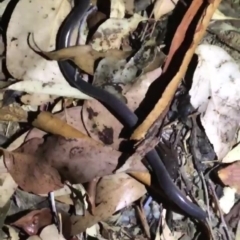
[
  {"x": 32, "y": 222},
  {"x": 38, "y": 163},
  {"x": 230, "y": 175},
  {"x": 113, "y": 193},
  {"x": 53, "y": 124},
  {"x": 47, "y": 122}
]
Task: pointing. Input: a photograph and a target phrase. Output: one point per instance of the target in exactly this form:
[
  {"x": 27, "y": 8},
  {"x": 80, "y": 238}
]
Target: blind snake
[{"x": 120, "y": 111}]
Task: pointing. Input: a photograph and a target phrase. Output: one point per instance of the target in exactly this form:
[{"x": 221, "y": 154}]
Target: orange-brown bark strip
[
  {"x": 181, "y": 31},
  {"x": 170, "y": 90}
]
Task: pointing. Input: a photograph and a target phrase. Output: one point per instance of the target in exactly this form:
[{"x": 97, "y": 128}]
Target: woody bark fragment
[{"x": 154, "y": 120}]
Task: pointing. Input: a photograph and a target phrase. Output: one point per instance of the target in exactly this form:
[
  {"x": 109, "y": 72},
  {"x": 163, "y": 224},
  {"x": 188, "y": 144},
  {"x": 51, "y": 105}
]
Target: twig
[
  {"x": 219, "y": 209},
  {"x": 143, "y": 220},
  {"x": 209, "y": 220},
  {"x": 206, "y": 195}
]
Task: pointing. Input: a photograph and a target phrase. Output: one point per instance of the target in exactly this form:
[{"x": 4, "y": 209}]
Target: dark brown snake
[{"x": 121, "y": 112}]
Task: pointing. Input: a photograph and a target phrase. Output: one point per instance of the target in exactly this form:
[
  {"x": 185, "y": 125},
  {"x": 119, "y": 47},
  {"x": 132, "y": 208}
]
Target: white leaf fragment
[
  {"x": 51, "y": 88},
  {"x": 226, "y": 202},
  {"x": 233, "y": 155},
  {"x": 215, "y": 93}
]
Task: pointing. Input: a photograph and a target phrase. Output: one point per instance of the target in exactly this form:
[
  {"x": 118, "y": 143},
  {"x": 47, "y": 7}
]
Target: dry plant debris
[{"x": 71, "y": 168}]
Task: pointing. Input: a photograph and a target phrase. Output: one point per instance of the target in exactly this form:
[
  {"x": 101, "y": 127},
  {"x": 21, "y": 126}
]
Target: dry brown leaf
[
  {"x": 162, "y": 7},
  {"x": 84, "y": 56},
  {"x": 77, "y": 160},
  {"x": 32, "y": 222},
  {"x": 113, "y": 193},
  {"x": 230, "y": 175},
  {"x": 13, "y": 114},
  {"x": 160, "y": 108},
  {"x": 32, "y": 176},
  {"x": 74, "y": 119}
]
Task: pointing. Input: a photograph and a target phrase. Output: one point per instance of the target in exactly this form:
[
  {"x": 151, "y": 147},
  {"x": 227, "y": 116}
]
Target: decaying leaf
[
  {"x": 113, "y": 193},
  {"x": 110, "y": 33},
  {"x": 32, "y": 222}
]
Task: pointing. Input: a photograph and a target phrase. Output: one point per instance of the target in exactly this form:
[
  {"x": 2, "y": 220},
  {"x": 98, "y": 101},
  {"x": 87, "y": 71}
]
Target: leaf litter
[{"x": 69, "y": 169}]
